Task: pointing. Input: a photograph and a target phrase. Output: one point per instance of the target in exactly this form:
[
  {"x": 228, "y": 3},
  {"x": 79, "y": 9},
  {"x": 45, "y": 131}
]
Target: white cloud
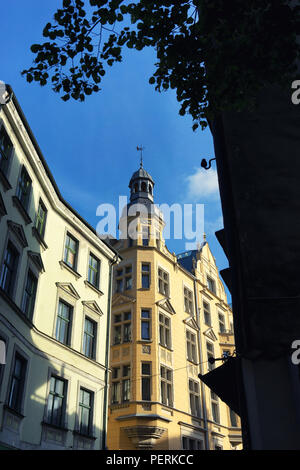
[{"x": 203, "y": 184}]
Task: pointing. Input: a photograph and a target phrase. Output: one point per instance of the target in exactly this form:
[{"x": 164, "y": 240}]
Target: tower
[{"x": 158, "y": 333}]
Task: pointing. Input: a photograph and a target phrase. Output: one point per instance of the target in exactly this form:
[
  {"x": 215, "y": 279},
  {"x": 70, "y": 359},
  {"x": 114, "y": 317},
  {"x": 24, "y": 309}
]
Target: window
[
  {"x": 146, "y": 381},
  {"x": 191, "y": 346},
  {"x": 145, "y": 324},
  {"x": 56, "y": 401},
  {"x": 145, "y": 235},
  {"x": 233, "y": 418},
  {"x": 164, "y": 331},
  {"x": 94, "y": 270},
  {"x": 211, "y": 284},
  {"x": 145, "y": 276},
  {"x": 89, "y": 338},
  {"x": 210, "y": 354},
  {"x": 207, "y": 316},
  {"x": 194, "y": 398},
  {"x": 116, "y": 386},
  {"x": 166, "y": 381},
  {"x": 221, "y": 323},
  {"x": 17, "y": 383},
  {"x": 3, "y": 353},
  {"x": 124, "y": 278},
  {"x": 86, "y": 399},
  {"x": 40, "y": 219},
  {"x": 191, "y": 444},
  {"x": 120, "y": 384},
  {"x": 128, "y": 277},
  {"x": 64, "y": 322},
  {"x": 29, "y": 294},
  {"x": 215, "y": 407},
  {"x": 71, "y": 251},
  {"x": 24, "y": 188},
  {"x": 188, "y": 301},
  {"x": 122, "y": 328},
  {"x": 9, "y": 269},
  {"x": 6, "y": 148},
  {"x": 163, "y": 282}
]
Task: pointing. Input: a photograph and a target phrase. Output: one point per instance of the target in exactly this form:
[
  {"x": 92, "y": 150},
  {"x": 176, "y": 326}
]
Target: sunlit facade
[{"x": 55, "y": 277}]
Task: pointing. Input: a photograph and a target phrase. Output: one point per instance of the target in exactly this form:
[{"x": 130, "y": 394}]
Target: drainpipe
[
  {"x": 201, "y": 366},
  {"x": 105, "y": 404}
]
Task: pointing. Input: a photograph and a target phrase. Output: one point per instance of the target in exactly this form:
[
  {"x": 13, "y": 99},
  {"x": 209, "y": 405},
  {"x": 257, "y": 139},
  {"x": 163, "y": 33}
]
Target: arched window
[
  {"x": 144, "y": 187},
  {"x": 150, "y": 189},
  {"x": 136, "y": 188}
]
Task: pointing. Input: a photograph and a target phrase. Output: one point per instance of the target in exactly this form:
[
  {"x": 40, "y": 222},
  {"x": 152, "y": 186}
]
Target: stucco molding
[
  {"x": 209, "y": 333},
  {"x": 120, "y": 299},
  {"x": 93, "y": 306},
  {"x": 18, "y": 230},
  {"x": 191, "y": 322},
  {"x": 68, "y": 288},
  {"x": 166, "y": 305}
]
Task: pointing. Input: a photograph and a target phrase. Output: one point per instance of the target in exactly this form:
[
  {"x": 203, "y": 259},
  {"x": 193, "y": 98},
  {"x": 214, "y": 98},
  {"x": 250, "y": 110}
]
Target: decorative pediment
[
  {"x": 93, "y": 306},
  {"x": 166, "y": 305},
  {"x": 18, "y": 230},
  {"x": 190, "y": 321},
  {"x": 209, "y": 333},
  {"x": 37, "y": 259},
  {"x": 68, "y": 288},
  {"x": 120, "y": 299},
  {"x": 2, "y": 207}
]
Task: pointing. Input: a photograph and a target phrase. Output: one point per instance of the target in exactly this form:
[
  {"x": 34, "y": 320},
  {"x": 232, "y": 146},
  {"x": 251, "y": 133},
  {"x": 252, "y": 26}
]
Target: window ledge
[
  {"x": 71, "y": 270},
  {"x": 86, "y": 436},
  {"x": 39, "y": 238},
  {"x": 13, "y": 411},
  {"x": 5, "y": 183},
  {"x": 18, "y": 204},
  {"x": 54, "y": 426},
  {"x": 195, "y": 363},
  {"x": 142, "y": 341},
  {"x": 166, "y": 347},
  {"x": 89, "y": 284}
]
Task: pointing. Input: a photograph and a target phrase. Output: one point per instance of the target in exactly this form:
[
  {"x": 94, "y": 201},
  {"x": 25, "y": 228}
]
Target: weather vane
[{"x": 140, "y": 149}]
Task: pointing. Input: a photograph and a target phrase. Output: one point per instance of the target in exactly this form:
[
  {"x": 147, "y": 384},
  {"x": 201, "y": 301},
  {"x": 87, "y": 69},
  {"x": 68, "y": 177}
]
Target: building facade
[
  {"x": 169, "y": 316},
  {"x": 55, "y": 286}
]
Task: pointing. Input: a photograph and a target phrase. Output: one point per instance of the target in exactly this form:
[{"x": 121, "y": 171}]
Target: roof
[
  {"x": 140, "y": 173},
  {"x": 186, "y": 258}
]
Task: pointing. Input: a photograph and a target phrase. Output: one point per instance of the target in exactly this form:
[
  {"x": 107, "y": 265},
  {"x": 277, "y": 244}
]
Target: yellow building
[
  {"x": 169, "y": 316},
  {"x": 55, "y": 285}
]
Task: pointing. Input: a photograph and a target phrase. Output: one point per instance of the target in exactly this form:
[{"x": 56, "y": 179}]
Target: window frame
[
  {"x": 146, "y": 274},
  {"x": 15, "y": 271},
  {"x": 24, "y": 358},
  {"x": 163, "y": 327},
  {"x": 123, "y": 325},
  {"x": 168, "y": 386},
  {"x": 163, "y": 291},
  {"x": 146, "y": 378},
  {"x": 20, "y": 192},
  {"x": 89, "y": 268},
  {"x": 148, "y": 321},
  {"x": 8, "y": 158},
  {"x": 41, "y": 233},
  {"x": 188, "y": 301},
  {"x": 70, "y": 322},
  {"x": 76, "y": 256},
  {"x": 94, "y": 337}
]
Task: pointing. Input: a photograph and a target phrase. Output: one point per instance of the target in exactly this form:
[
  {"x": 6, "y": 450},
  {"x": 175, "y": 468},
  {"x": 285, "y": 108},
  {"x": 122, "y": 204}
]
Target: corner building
[
  {"x": 169, "y": 315},
  {"x": 55, "y": 278}
]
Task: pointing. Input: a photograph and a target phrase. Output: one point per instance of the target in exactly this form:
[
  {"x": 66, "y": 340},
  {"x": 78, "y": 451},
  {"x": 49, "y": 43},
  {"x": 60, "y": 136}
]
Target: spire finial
[{"x": 140, "y": 149}]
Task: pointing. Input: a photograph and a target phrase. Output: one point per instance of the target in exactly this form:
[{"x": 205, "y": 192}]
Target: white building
[{"x": 55, "y": 296}]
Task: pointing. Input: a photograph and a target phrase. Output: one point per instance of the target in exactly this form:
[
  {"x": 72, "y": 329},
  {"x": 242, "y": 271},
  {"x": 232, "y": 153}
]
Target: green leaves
[{"x": 216, "y": 62}]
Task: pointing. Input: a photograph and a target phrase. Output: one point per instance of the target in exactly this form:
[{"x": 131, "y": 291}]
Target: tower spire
[{"x": 140, "y": 149}]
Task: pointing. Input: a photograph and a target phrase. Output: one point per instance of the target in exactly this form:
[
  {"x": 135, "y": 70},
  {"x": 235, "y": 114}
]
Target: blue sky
[{"x": 90, "y": 147}]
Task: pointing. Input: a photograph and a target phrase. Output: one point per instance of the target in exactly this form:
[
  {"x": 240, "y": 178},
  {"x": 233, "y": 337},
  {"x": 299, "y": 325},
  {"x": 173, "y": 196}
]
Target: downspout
[
  {"x": 201, "y": 366},
  {"x": 105, "y": 404}
]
